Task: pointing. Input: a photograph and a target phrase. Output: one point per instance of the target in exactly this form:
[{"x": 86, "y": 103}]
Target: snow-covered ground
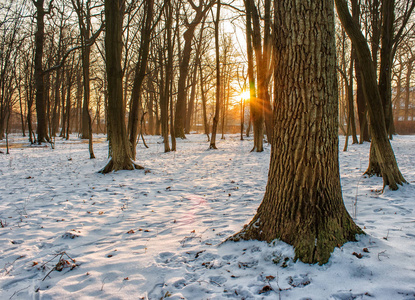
[{"x": 68, "y": 232}]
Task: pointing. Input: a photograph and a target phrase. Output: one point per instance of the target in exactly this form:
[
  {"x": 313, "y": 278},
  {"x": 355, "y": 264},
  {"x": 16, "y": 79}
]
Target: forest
[
  {"x": 191, "y": 149},
  {"x": 182, "y": 64}
]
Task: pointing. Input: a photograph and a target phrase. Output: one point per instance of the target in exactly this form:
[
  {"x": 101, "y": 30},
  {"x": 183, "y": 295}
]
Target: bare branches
[{"x": 88, "y": 43}]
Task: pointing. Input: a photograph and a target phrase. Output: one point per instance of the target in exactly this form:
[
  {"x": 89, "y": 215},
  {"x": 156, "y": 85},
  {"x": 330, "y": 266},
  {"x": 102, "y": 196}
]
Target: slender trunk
[
  {"x": 203, "y": 96},
  {"x": 360, "y": 100},
  {"x": 242, "y": 118},
  {"x": 180, "y": 116},
  {"x": 268, "y": 65},
  {"x": 90, "y": 144},
  {"x": 361, "y": 106},
  {"x": 150, "y": 112},
  {"x": 190, "y": 107},
  {"x": 22, "y": 113},
  {"x": 85, "y": 121},
  {"x": 257, "y": 103},
  {"x": 165, "y": 85},
  {"x": 169, "y": 71},
  {"x": 350, "y": 99},
  {"x": 408, "y": 89},
  {"x": 56, "y": 103},
  {"x": 164, "y": 107},
  {"x": 194, "y": 80},
  {"x": 68, "y": 104},
  {"x": 140, "y": 73},
  {"x": 29, "y": 96},
  {"x": 251, "y": 78},
  {"x": 218, "y": 83}
]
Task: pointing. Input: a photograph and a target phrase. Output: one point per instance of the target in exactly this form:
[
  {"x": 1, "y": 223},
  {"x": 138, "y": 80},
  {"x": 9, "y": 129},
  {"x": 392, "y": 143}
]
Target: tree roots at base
[{"x": 127, "y": 165}]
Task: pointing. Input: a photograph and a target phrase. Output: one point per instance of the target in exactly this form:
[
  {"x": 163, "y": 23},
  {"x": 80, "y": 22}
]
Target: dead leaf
[{"x": 265, "y": 289}]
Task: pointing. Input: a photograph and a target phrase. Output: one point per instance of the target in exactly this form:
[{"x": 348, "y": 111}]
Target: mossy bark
[{"x": 303, "y": 203}]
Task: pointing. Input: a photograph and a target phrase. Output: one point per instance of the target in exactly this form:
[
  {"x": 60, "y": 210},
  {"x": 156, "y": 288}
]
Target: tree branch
[{"x": 88, "y": 43}]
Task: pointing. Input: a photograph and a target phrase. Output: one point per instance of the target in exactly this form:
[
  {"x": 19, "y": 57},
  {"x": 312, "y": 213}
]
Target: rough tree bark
[
  {"x": 42, "y": 131},
  {"x": 303, "y": 203},
  {"x": 120, "y": 151}
]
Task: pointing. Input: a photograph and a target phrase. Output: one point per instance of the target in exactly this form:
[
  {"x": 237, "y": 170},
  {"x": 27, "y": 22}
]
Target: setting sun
[{"x": 245, "y": 95}]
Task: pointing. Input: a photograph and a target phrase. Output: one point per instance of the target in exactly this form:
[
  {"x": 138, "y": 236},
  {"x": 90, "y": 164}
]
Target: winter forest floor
[{"x": 156, "y": 234}]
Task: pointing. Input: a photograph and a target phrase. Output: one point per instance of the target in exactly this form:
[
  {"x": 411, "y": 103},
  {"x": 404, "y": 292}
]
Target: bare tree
[
  {"x": 180, "y": 115},
  {"x": 384, "y": 152},
  {"x": 218, "y": 79},
  {"x": 119, "y": 148}
]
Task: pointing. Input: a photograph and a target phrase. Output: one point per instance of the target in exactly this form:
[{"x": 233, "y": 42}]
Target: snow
[{"x": 68, "y": 232}]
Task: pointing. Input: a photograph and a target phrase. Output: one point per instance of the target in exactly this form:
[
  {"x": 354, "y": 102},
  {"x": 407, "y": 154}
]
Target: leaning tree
[
  {"x": 381, "y": 145},
  {"x": 303, "y": 203}
]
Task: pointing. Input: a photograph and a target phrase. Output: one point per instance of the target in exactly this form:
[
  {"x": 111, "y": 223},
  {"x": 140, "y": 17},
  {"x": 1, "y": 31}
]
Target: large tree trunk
[
  {"x": 381, "y": 144},
  {"x": 42, "y": 132},
  {"x": 303, "y": 203},
  {"x": 386, "y": 56},
  {"x": 120, "y": 150}
]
